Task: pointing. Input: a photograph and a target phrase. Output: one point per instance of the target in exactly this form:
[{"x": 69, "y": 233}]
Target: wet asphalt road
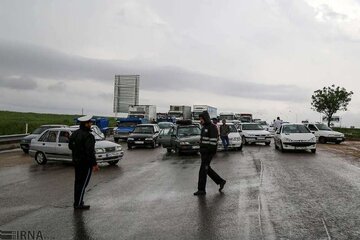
[{"x": 269, "y": 195}]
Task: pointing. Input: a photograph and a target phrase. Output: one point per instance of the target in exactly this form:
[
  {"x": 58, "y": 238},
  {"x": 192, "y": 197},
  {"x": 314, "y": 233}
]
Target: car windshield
[
  {"x": 227, "y": 117},
  {"x": 252, "y": 127},
  {"x": 233, "y": 128},
  {"x": 188, "y": 131},
  {"x": 144, "y": 129},
  {"x": 295, "y": 129},
  {"x": 40, "y": 130},
  {"x": 165, "y": 125},
  {"x": 178, "y": 115},
  {"x": 323, "y": 127}
]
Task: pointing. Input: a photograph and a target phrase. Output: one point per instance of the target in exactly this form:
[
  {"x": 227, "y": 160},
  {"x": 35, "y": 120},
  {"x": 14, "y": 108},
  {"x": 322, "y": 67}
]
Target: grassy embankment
[
  {"x": 14, "y": 122},
  {"x": 350, "y": 133}
]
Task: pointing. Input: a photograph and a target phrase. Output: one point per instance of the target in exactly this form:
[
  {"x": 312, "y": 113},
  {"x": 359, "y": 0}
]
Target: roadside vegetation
[
  {"x": 350, "y": 133},
  {"x": 15, "y": 122}
]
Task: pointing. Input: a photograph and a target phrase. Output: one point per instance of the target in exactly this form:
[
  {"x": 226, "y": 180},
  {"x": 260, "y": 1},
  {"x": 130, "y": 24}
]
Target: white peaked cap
[{"x": 86, "y": 118}]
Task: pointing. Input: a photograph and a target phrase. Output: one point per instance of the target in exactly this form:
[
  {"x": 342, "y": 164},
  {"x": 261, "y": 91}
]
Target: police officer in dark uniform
[
  {"x": 82, "y": 144},
  {"x": 208, "y": 147}
]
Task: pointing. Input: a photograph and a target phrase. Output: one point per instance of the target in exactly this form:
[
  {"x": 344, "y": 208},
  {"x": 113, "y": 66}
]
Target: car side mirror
[
  {"x": 313, "y": 132},
  {"x": 239, "y": 130}
]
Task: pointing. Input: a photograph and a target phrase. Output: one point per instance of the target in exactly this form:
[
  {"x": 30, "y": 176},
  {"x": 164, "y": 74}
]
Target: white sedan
[
  {"x": 293, "y": 136},
  {"x": 254, "y": 133},
  {"x": 235, "y": 141}
]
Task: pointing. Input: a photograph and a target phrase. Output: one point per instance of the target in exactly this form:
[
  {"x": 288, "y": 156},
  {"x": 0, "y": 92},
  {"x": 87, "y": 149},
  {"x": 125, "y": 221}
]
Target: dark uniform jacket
[
  {"x": 82, "y": 144},
  {"x": 209, "y": 135}
]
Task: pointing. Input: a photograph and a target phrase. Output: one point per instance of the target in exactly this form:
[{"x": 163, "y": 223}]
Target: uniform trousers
[
  {"x": 82, "y": 178},
  {"x": 205, "y": 170}
]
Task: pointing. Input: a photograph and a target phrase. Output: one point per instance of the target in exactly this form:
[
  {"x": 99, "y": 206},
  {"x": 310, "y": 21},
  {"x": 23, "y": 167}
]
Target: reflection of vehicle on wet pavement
[
  {"x": 25, "y": 142},
  {"x": 294, "y": 137},
  {"x": 235, "y": 141},
  {"x": 325, "y": 134},
  {"x": 181, "y": 138},
  {"x": 144, "y": 135},
  {"x": 254, "y": 133},
  {"x": 53, "y": 145}
]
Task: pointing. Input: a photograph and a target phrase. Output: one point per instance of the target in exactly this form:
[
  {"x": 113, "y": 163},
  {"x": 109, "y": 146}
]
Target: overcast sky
[{"x": 266, "y": 57}]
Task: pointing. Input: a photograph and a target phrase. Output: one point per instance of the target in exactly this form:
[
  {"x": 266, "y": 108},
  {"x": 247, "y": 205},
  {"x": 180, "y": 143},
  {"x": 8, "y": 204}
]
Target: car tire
[
  {"x": 240, "y": 148},
  {"x": 40, "y": 158},
  {"x": 276, "y": 146},
  {"x": 26, "y": 151},
  {"x": 153, "y": 145},
  {"x": 322, "y": 140},
  {"x": 267, "y": 143},
  {"x": 337, "y": 142},
  {"x": 113, "y": 163},
  {"x": 282, "y": 147},
  {"x": 129, "y": 147},
  {"x": 177, "y": 151},
  {"x": 313, "y": 150},
  {"x": 116, "y": 140},
  {"x": 244, "y": 140}
]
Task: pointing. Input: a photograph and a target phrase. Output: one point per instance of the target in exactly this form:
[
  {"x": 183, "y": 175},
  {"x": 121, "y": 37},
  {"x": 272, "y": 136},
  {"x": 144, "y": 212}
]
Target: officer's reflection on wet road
[
  {"x": 208, "y": 217},
  {"x": 80, "y": 228}
]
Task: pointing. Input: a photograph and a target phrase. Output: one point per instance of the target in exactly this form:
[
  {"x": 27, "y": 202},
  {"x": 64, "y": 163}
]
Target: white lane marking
[{"x": 326, "y": 228}]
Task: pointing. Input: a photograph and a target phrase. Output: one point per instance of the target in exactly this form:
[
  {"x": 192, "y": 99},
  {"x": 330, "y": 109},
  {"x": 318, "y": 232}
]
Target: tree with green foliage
[{"x": 329, "y": 100}]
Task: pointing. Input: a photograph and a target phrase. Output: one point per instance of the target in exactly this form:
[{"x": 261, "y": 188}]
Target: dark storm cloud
[
  {"x": 36, "y": 62},
  {"x": 16, "y": 82}
]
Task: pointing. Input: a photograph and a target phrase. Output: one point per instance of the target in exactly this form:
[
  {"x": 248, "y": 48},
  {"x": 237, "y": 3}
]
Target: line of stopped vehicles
[{"x": 50, "y": 142}]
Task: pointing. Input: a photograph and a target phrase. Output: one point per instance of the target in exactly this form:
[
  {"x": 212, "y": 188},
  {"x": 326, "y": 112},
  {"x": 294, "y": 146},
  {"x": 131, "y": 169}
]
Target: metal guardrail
[{"x": 11, "y": 138}]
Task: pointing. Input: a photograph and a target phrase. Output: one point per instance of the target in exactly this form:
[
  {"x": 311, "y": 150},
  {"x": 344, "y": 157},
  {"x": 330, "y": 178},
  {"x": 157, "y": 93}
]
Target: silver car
[{"x": 53, "y": 143}]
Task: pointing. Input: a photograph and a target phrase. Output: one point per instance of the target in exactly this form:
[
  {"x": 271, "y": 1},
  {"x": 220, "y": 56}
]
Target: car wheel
[
  {"x": 113, "y": 163},
  {"x": 153, "y": 145},
  {"x": 282, "y": 147},
  {"x": 240, "y": 148},
  {"x": 244, "y": 140},
  {"x": 276, "y": 146},
  {"x": 26, "y": 151},
  {"x": 322, "y": 140},
  {"x": 267, "y": 143},
  {"x": 177, "y": 151},
  {"x": 168, "y": 150},
  {"x": 129, "y": 146},
  {"x": 40, "y": 158},
  {"x": 313, "y": 150},
  {"x": 337, "y": 142},
  {"x": 116, "y": 140}
]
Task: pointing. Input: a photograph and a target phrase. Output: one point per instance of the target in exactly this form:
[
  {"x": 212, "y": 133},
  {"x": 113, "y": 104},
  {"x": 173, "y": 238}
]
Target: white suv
[{"x": 325, "y": 134}]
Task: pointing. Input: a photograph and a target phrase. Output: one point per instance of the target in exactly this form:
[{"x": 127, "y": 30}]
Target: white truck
[
  {"x": 180, "y": 112},
  {"x": 228, "y": 116},
  {"x": 146, "y": 112},
  {"x": 197, "y": 109}
]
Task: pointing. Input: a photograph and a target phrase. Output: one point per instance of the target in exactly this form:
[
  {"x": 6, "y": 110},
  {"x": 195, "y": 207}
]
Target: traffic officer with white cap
[{"x": 82, "y": 144}]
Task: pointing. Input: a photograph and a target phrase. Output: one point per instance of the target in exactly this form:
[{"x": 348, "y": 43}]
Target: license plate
[
  {"x": 139, "y": 142},
  {"x": 261, "y": 138},
  {"x": 196, "y": 147},
  {"x": 339, "y": 139},
  {"x": 301, "y": 148},
  {"x": 112, "y": 154}
]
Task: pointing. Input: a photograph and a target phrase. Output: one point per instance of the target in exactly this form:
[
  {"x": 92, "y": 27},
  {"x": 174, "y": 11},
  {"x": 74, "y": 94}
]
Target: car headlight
[
  {"x": 99, "y": 150},
  {"x": 184, "y": 143},
  {"x": 149, "y": 139},
  {"x": 118, "y": 148},
  {"x": 287, "y": 140},
  {"x": 236, "y": 139},
  {"x": 312, "y": 139},
  {"x": 130, "y": 139}
]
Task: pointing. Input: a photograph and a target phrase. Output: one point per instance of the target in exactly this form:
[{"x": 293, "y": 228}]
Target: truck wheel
[
  {"x": 40, "y": 158},
  {"x": 322, "y": 140}
]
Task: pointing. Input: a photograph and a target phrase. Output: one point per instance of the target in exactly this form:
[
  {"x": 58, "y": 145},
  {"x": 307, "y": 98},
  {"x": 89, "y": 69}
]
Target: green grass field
[
  {"x": 14, "y": 122},
  {"x": 350, "y": 133}
]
